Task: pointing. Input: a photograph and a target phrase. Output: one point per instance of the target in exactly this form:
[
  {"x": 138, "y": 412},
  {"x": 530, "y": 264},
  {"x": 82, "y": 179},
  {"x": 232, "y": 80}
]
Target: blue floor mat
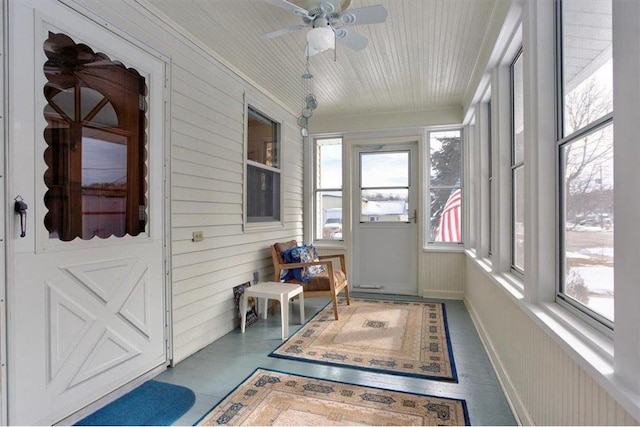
[{"x": 152, "y": 403}]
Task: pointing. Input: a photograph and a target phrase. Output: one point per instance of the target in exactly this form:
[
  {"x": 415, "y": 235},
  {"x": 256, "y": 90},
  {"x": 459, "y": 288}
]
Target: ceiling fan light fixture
[{"x": 321, "y": 38}]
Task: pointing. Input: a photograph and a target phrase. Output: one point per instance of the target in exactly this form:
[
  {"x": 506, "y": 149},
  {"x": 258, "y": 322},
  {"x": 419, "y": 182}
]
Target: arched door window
[{"x": 96, "y": 154}]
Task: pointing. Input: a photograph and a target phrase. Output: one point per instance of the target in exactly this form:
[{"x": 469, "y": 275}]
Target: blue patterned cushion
[
  {"x": 312, "y": 255},
  {"x": 304, "y": 253}
]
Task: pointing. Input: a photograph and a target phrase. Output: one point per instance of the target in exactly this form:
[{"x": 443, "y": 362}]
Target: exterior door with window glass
[
  {"x": 385, "y": 232},
  {"x": 85, "y": 289}
]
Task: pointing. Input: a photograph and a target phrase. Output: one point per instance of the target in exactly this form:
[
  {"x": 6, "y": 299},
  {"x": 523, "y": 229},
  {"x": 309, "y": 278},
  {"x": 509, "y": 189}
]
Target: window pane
[
  {"x": 517, "y": 164},
  {"x": 490, "y": 156},
  {"x": 328, "y": 183},
  {"x": 587, "y": 174},
  {"x": 263, "y": 184},
  {"x": 262, "y": 139},
  {"x": 379, "y": 170},
  {"x": 446, "y": 158},
  {"x": 96, "y": 144},
  {"x": 104, "y": 185},
  {"x": 329, "y": 217},
  {"x": 384, "y": 205},
  {"x": 329, "y": 163},
  {"x": 445, "y": 177},
  {"x": 263, "y": 195},
  {"x": 586, "y": 62},
  {"x": 446, "y": 210},
  {"x": 518, "y": 218},
  {"x": 104, "y": 162},
  {"x": 518, "y": 111}
]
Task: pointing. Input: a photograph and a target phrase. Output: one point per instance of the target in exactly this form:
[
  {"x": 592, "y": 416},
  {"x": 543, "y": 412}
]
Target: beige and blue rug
[
  {"x": 394, "y": 337},
  {"x": 276, "y": 398}
]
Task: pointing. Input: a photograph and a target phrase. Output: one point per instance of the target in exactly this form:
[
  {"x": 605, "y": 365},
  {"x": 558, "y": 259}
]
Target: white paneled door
[
  {"x": 85, "y": 281},
  {"x": 385, "y": 230}
]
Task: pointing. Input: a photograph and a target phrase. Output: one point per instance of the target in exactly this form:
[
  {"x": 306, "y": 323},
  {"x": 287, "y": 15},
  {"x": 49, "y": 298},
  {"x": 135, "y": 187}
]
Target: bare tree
[
  {"x": 585, "y": 158},
  {"x": 588, "y": 192}
]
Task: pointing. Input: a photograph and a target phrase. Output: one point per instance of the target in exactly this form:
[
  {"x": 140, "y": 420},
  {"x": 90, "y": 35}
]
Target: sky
[
  {"x": 330, "y": 158},
  {"x": 103, "y": 162},
  {"x": 380, "y": 169},
  {"x": 385, "y": 169}
]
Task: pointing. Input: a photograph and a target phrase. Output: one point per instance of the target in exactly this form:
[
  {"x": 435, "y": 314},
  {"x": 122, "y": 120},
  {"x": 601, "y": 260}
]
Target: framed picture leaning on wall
[{"x": 252, "y": 309}]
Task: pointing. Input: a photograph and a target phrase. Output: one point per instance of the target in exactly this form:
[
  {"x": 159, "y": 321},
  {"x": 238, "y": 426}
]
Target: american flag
[{"x": 449, "y": 228}]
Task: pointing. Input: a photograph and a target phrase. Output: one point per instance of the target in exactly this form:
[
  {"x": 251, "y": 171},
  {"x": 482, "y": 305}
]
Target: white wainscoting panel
[
  {"x": 441, "y": 274},
  {"x": 544, "y": 384}
]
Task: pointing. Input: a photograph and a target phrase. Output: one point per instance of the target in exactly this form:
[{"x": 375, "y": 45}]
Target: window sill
[
  {"x": 580, "y": 336},
  {"x": 324, "y": 244},
  {"x": 509, "y": 282},
  {"x": 256, "y": 227},
  {"x": 588, "y": 348},
  {"x": 444, "y": 248},
  {"x": 559, "y": 322}
]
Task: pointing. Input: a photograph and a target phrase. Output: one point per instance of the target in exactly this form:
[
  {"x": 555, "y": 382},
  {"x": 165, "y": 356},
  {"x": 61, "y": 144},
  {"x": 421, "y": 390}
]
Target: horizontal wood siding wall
[
  {"x": 544, "y": 383},
  {"x": 207, "y": 172}
]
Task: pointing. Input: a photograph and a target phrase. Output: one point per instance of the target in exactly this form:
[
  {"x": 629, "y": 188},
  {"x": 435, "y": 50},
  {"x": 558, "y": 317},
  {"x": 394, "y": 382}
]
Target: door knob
[{"x": 20, "y": 207}]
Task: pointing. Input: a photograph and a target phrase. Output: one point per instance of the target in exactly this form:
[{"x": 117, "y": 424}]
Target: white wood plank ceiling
[{"x": 424, "y": 57}]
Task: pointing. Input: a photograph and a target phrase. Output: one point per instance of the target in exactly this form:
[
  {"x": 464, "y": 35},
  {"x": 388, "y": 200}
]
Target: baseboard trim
[
  {"x": 428, "y": 293},
  {"x": 516, "y": 404}
]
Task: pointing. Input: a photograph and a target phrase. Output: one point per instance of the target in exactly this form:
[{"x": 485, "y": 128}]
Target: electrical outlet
[
  {"x": 197, "y": 236},
  {"x": 256, "y": 277}
]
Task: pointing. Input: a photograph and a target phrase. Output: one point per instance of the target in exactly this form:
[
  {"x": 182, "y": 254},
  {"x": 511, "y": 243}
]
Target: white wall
[
  {"x": 544, "y": 383},
  {"x": 207, "y": 149},
  {"x": 441, "y": 274},
  {"x": 556, "y": 367}
]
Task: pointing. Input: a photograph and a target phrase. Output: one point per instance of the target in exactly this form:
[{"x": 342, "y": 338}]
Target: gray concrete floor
[{"x": 217, "y": 369}]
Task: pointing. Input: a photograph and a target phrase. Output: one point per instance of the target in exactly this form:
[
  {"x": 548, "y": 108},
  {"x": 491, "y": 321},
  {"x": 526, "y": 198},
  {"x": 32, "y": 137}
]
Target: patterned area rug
[
  {"x": 395, "y": 337},
  {"x": 275, "y": 398}
]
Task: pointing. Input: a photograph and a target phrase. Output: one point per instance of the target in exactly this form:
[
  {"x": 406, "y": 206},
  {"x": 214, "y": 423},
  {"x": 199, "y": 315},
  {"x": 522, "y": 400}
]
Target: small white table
[{"x": 265, "y": 291}]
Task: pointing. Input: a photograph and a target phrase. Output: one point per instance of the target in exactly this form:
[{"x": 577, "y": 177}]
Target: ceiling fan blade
[
  {"x": 284, "y": 4},
  {"x": 351, "y": 39},
  {"x": 283, "y": 31},
  {"x": 364, "y": 15}
]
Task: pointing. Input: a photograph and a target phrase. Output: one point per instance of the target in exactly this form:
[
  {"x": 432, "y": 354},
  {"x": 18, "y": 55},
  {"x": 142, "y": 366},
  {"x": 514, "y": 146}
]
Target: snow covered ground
[{"x": 589, "y": 252}]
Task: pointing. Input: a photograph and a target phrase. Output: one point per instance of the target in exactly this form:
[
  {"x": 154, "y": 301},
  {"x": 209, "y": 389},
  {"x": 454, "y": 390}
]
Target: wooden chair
[{"x": 328, "y": 283}]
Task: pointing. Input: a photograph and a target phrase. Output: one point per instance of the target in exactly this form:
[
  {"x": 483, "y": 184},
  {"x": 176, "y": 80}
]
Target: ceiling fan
[{"x": 329, "y": 21}]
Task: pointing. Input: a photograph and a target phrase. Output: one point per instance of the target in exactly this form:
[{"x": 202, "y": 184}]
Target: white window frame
[
  {"x": 428, "y": 242},
  {"x": 498, "y": 135},
  {"x": 249, "y": 225},
  {"x": 316, "y": 221},
  {"x": 583, "y": 312},
  {"x": 515, "y": 166},
  {"x": 488, "y": 123}
]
